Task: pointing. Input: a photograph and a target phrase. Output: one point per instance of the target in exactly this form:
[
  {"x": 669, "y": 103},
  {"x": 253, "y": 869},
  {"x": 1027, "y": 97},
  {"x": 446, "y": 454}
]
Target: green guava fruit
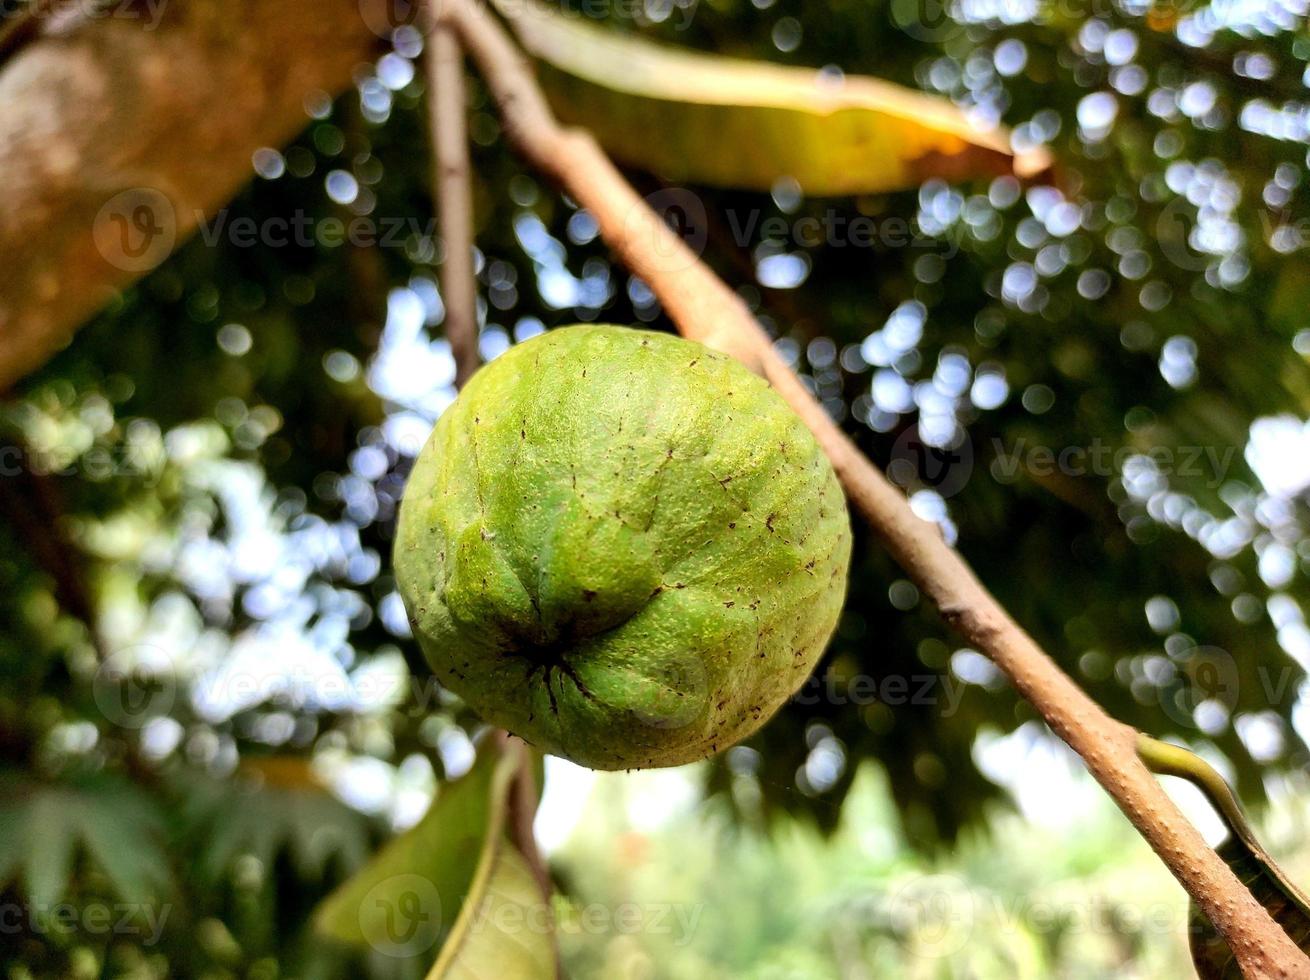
[{"x": 622, "y": 547}]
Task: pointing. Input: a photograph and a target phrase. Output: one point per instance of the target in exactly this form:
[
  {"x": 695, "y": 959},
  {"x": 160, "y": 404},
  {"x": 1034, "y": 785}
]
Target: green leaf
[
  {"x": 689, "y": 117},
  {"x": 49, "y": 838},
  {"x": 1243, "y": 852},
  {"x": 11, "y": 834},
  {"x": 409, "y": 895},
  {"x": 121, "y": 837},
  {"x": 283, "y": 808},
  {"x": 504, "y": 930},
  {"x": 43, "y": 828}
]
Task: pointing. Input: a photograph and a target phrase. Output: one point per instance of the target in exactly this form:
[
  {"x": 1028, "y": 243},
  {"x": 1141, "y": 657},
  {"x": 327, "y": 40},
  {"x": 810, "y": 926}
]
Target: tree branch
[
  {"x": 705, "y": 309},
  {"x": 447, "y": 106},
  {"x": 444, "y": 59},
  {"x": 200, "y": 88}
]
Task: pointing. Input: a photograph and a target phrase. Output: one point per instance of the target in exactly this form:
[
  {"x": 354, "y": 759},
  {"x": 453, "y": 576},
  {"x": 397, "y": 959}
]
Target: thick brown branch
[
  {"x": 447, "y": 105},
  {"x": 705, "y": 309},
  {"x": 119, "y": 133}
]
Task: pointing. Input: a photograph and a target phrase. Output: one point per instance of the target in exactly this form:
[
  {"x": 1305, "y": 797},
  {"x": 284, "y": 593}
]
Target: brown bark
[
  {"x": 120, "y": 131},
  {"x": 452, "y": 179}
]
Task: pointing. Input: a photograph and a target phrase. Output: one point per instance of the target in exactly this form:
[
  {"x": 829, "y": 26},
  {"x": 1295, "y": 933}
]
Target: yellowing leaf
[
  {"x": 505, "y": 930},
  {"x": 1242, "y": 851},
  {"x": 729, "y": 122},
  {"x": 1211, "y": 955}
]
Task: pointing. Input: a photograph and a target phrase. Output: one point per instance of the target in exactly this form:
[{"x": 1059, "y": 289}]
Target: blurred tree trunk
[{"x": 121, "y": 129}]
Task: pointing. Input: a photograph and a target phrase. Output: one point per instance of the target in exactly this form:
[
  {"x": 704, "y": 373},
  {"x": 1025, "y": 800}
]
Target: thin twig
[
  {"x": 705, "y": 309},
  {"x": 447, "y": 106},
  {"x": 523, "y": 800},
  {"x": 524, "y": 795}
]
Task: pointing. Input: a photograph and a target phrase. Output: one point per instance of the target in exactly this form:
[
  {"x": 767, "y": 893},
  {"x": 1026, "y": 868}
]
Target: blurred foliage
[
  {"x": 694, "y": 894},
  {"x": 198, "y": 494}
]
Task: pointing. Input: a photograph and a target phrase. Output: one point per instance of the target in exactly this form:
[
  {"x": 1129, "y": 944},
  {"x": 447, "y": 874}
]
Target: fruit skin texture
[{"x": 623, "y": 547}]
